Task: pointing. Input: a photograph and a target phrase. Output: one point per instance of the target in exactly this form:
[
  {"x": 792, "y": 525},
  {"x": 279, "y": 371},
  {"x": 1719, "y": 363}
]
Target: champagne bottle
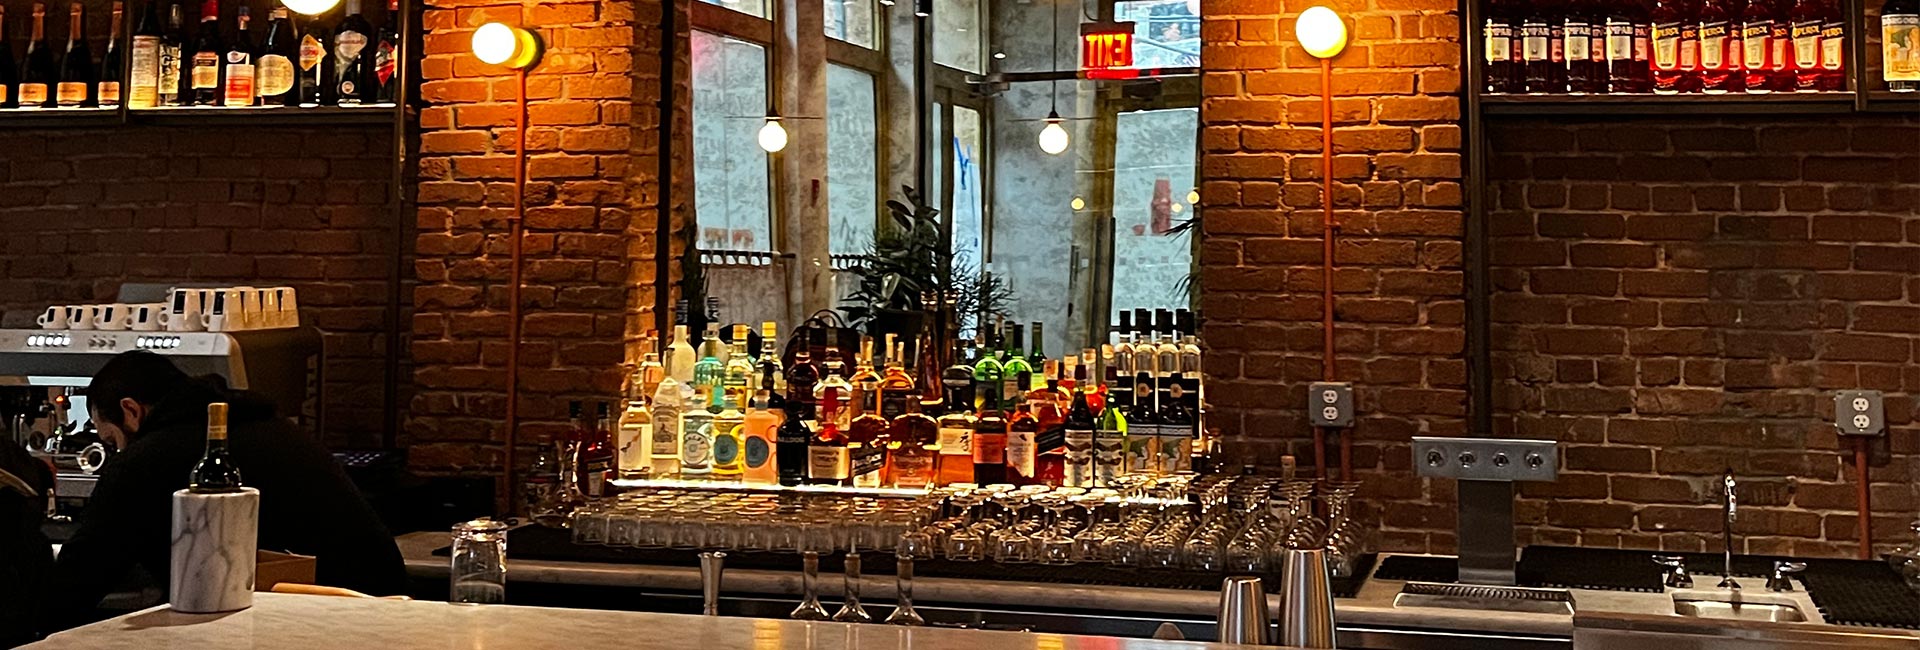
[
  {"x": 352, "y": 71},
  {"x": 215, "y": 473},
  {"x": 106, "y": 91},
  {"x": 36, "y": 84},
  {"x": 145, "y": 77},
  {"x": 207, "y": 51},
  {"x": 274, "y": 75},
  {"x": 9, "y": 71},
  {"x": 238, "y": 69},
  {"x": 75, "y": 88}
]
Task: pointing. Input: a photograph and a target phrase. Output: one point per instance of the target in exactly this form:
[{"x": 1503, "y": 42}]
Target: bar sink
[{"x": 1737, "y": 605}]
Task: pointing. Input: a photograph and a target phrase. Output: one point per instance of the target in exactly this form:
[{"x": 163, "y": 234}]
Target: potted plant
[{"x": 905, "y": 263}]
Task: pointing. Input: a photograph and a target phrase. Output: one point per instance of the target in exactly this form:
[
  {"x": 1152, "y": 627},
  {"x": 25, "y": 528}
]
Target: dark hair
[{"x": 139, "y": 375}]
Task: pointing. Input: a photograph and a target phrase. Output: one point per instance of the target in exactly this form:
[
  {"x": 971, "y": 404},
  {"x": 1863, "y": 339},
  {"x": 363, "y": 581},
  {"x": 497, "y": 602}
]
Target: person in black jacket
[
  {"x": 26, "y": 559},
  {"x": 156, "y": 415}
]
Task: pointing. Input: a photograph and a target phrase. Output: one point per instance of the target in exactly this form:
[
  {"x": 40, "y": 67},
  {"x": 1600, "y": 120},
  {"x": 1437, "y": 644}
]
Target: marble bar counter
[{"x": 281, "y": 621}]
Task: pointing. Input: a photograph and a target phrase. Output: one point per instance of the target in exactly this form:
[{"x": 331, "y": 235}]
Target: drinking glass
[
  {"x": 479, "y": 555},
  {"x": 903, "y": 613},
  {"x": 809, "y": 609}
]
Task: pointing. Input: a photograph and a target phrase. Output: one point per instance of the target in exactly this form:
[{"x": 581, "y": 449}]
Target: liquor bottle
[
  {"x": 569, "y": 452},
  {"x": 634, "y": 446},
  {"x": 1721, "y": 54},
  {"x": 865, "y": 380},
  {"x": 710, "y": 372},
  {"x": 1097, "y": 390},
  {"x": 956, "y": 432},
  {"x": 1016, "y": 374},
  {"x": 313, "y": 71},
  {"x": 352, "y": 73},
  {"x": 386, "y": 58},
  {"x": 274, "y": 76},
  {"x": 897, "y": 390},
  {"x": 1021, "y": 452},
  {"x": 696, "y": 434},
  {"x": 802, "y": 377},
  {"x": 1756, "y": 46},
  {"x": 1900, "y": 45},
  {"x": 1642, "y": 46},
  {"x": 9, "y": 71},
  {"x": 106, "y": 89},
  {"x": 669, "y": 400},
  {"x": 1505, "y": 71},
  {"x": 1672, "y": 65},
  {"x": 956, "y": 380},
  {"x": 866, "y": 434},
  {"x": 541, "y": 488},
  {"x": 740, "y": 371},
  {"x": 772, "y": 378},
  {"x": 170, "y": 87},
  {"x": 1833, "y": 48},
  {"x": 1807, "y": 20},
  {"x": 36, "y": 82},
  {"x": 1577, "y": 38},
  {"x": 827, "y": 460},
  {"x": 144, "y": 69},
  {"x": 239, "y": 71},
  {"x": 75, "y": 87},
  {"x": 729, "y": 443},
  {"x": 1555, "y": 11},
  {"x": 1079, "y": 430},
  {"x": 1109, "y": 447},
  {"x": 987, "y": 377},
  {"x": 990, "y": 446},
  {"x": 834, "y": 388},
  {"x": 911, "y": 466},
  {"x": 1119, "y": 368},
  {"x": 215, "y": 472},
  {"x": 915, "y": 427},
  {"x": 1037, "y": 357},
  {"x": 1192, "y": 368},
  {"x": 791, "y": 450},
  {"x": 650, "y": 373},
  {"x": 680, "y": 356},
  {"x": 1537, "y": 45},
  {"x": 207, "y": 51},
  {"x": 594, "y": 455}
]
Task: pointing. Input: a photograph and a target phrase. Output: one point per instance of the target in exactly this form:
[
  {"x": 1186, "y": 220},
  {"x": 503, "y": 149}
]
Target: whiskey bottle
[
  {"x": 827, "y": 459},
  {"x": 215, "y": 472},
  {"x": 897, "y": 390},
  {"x": 990, "y": 446},
  {"x": 1900, "y": 45},
  {"x": 955, "y": 464},
  {"x": 865, "y": 381},
  {"x": 866, "y": 432}
]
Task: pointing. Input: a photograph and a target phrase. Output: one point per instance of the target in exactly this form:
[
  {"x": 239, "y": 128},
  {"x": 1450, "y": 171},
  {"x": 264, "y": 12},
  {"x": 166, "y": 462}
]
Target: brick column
[
  {"x": 590, "y": 221},
  {"x": 1398, "y": 199}
]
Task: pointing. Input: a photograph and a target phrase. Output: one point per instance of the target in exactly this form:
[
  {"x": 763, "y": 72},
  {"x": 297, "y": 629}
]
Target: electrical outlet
[
  {"x": 1330, "y": 404},
  {"x": 1486, "y": 459},
  {"x": 1859, "y": 412}
]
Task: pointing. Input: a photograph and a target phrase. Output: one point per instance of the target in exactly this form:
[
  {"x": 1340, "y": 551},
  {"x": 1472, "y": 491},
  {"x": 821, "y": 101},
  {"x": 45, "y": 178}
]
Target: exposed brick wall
[
  {"x": 590, "y": 221},
  {"x": 83, "y": 210},
  {"x": 1676, "y": 297},
  {"x": 1398, "y": 198}
]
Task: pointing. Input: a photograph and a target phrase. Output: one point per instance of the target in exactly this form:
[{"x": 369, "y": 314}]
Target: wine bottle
[
  {"x": 36, "y": 83},
  {"x": 386, "y": 57},
  {"x": 274, "y": 72},
  {"x": 215, "y": 473},
  {"x": 145, "y": 68},
  {"x": 207, "y": 51},
  {"x": 314, "y": 72},
  {"x": 1900, "y": 44},
  {"x": 170, "y": 84},
  {"x": 239, "y": 69},
  {"x": 351, "y": 78},
  {"x": 9, "y": 71},
  {"x": 106, "y": 91},
  {"x": 75, "y": 88}
]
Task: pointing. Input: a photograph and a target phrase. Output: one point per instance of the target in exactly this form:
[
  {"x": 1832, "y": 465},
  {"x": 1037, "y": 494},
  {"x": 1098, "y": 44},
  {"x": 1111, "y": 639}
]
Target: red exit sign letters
[{"x": 1105, "y": 47}]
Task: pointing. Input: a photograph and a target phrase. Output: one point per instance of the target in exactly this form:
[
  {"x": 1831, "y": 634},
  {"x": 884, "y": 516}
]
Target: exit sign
[{"x": 1106, "y": 49}]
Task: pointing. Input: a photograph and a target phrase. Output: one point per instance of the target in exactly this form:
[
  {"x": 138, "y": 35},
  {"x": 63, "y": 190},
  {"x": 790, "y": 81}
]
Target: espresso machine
[{"x": 44, "y": 373}]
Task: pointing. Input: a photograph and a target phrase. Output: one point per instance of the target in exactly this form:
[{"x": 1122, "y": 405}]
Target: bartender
[{"x": 156, "y": 416}]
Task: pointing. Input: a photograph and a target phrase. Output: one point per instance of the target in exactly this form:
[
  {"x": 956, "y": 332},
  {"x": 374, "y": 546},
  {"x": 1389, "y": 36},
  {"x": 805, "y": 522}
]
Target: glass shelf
[
  {"x": 195, "y": 115},
  {"x": 1687, "y": 104}
]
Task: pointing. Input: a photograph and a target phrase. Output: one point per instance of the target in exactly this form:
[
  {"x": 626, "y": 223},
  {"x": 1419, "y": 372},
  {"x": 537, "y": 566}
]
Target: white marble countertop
[{"x": 282, "y": 621}]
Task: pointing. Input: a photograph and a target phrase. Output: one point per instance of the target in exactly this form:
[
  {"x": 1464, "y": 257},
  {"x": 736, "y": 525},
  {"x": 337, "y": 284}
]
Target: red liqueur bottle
[{"x": 1720, "y": 51}]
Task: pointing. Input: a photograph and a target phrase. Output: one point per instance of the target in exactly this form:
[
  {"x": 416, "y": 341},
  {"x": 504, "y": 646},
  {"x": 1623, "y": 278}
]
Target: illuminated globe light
[
  {"x": 500, "y": 44},
  {"x": 1078, "y": 204},
  {"x": 1193, "y": 197},
  {"x": 773, "y": 136},
  {"x": 310, "y": 7},
  {"x": 1321, "y": 32},
  {"x": 1054, "y": 138}
]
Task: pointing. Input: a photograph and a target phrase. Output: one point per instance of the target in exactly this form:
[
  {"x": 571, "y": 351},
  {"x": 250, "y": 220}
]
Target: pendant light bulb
[
  {"x": 773, "y": 136},
  {"x": 1054, "y": 138},
  {"x": 311, "y": 7}
]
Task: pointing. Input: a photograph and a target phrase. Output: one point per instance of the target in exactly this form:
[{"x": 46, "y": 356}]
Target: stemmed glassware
[
  {"x": 903, "y": 613},
  {"x": 851, "y": 611},
  {"x": 810, "y": 609}
]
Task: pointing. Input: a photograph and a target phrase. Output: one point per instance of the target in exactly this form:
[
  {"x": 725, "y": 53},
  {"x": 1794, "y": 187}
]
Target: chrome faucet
[{"x": 1726, "y": 532}]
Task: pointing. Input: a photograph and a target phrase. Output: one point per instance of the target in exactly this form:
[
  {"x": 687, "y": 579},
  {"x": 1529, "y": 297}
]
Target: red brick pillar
[{"x": 1397, "y": 196}]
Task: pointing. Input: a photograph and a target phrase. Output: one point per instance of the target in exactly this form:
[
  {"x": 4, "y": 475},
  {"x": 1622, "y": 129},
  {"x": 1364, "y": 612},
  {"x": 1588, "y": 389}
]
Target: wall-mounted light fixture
[
  {"x": 1321, "y": 32},
  {"x": 923, "y": 8},
  {"x": 505, "y": 45},
  {"x": 310, "y": 7}
]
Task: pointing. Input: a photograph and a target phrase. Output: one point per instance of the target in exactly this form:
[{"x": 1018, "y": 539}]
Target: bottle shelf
[
  {"x": 241, "y": 115},
  {"x": 1687, "y": 104},
  {"x": 58, "y": 117},
  {"x": 1887, "y": 101}
]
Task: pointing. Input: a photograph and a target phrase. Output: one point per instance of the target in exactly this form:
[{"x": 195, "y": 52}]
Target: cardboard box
[{"x": 272, "y": 568}]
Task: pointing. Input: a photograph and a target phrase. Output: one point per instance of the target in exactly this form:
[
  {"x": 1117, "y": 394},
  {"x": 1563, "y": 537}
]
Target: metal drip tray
[
  {"x": 1738, "y": 606},
  {"x": 1486, "y": 598}
]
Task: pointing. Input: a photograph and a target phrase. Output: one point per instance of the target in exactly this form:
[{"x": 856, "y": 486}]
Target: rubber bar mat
[
  {"x": 1419, "y": 568},
  {"x": 540, "y": 543},
  {"x": 1543, "y": 566},
  {"x": 1865, "y": 593}
]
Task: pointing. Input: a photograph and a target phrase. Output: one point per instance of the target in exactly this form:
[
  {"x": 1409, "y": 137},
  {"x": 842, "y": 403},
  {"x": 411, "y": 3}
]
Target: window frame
[
  {"x": 720, "y": 21},
  {"x": 874, "y": 62}
]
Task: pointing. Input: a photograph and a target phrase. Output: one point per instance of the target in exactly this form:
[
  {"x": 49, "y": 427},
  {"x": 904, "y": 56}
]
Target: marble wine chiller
[{"x": 215, "y": 536}]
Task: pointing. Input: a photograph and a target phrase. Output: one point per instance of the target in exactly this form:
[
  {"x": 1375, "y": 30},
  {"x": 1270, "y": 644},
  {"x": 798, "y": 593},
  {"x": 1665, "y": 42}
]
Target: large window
[
  {"x": 852, "y": 163},
  {"x": 731, "y": 194},
  {"x": 851, "y": 21},
  {"x": 1153, "y": 173},
  {"x": 969, "y": 193},
  {"x": 959, "y": 38},
  {"x": 1166, "y": 33},
  {"x": 749, "y": 7}
]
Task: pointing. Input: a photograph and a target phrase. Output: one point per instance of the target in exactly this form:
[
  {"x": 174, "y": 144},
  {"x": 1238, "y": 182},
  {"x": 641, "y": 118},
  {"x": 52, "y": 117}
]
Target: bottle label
[
  {"x": 1782, "y": 42},
  {"x": 1499, "y": 42},
  {"x": 912, "y": 469},
  {"x": 1173, "y": 452},
  {"x": 206, "y": 71},
  {"x": 312, "y": 52},
  {"x": 1900, "y": 35},
  {"x": 5, "y": 91},
  {"x": 1141, "y": 440},
  {"x": 1079, "y": 460},
  {"x": 1806, "y": 45},
  {"x": 989, "y": 450},
  {"x": 109, "y": 93},
  {"x": 1533, "y": 41},
  {"x": 145, "y": 71},
  {"x": 384, "y": 62},
  {"x": 1689, "y": 47},
  {"x": 1578, "y": 39},
  {"x": 893, "y": 403},
  {"x": 33, "y": 94},
  {"x": 1020, "y": 452},
  {"x": 239, "y": 84},
  {"x": 1755, "y": 41},
  {"x": 1619, "y": 40},
  {"x": 169, "y": 82},
  {"x": 635, "y": 445},
  {"x": 71, "y": 93},
  {"x": 347, "y": 46},
  {"x": 275, "y": 75},
  {"x": 956, "y": 441},
  {"x": 1833, "y": 50},
  {"x": 757, "y": 452},
  {"x": 1109, "y": 456},
  {"x": 726, "y": 451},
  {"x": 865, "y": 462},
  {"x": 696, "y": 447},
  {"x": 827, "y": 462},
  {"x": 666, "y": 434},
  {"x": 1642, "y": 42},
  {"x": 1713, "y": 46},
  {"x": 1556, "y": 50},
  {"x": 1666, "y": 46}
]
